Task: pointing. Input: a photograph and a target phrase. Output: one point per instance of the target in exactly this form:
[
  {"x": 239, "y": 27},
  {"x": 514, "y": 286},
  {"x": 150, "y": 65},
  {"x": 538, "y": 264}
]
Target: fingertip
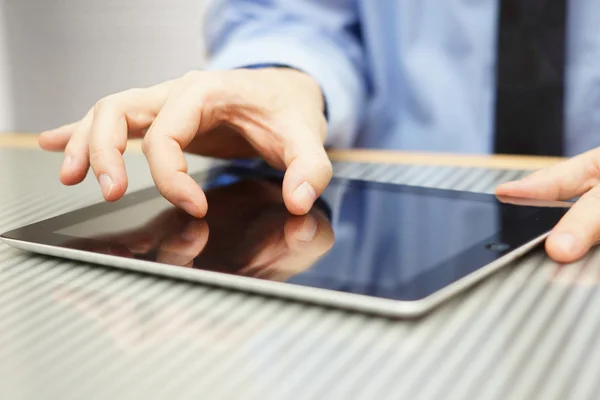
[
  {"x": 56, "y": 139},
  {"x": 73, "y": 171},
  {"x": 116, "y": 193},
  {"x": 301, "y": 199},
  {"x": 112, "y": 185},
  {"x": 119, "y": 250},
  {"x": 50, "y": 141},
  {"x": 196, "y": 229},
  {"x": 69, "y": 179},
  {"x": 300, "y": 230},
  {"x": 564, "y": 247},
  {"x": 47, "y": 134},
  {"x": 503, "y": 189},
  {"x": 194, "y": 208},
  {"x": 309, "y": 232},
  {"x": 185, "y": 193},
  {"x": 73, "y": 178},
  {"x": 305, "y": 180},
  {"x": 196, "y": 235},
  {"x": 512, "y": 188},
  {"x": 44, "y": 140},
  {"x": 183, "y": 248}
]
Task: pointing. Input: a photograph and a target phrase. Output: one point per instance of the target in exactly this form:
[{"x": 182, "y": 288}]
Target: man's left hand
[{"x": 579, "y": 229}]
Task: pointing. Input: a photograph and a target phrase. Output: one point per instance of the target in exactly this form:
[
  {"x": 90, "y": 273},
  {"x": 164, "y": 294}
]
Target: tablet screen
[{"x": 388, "y": 241}]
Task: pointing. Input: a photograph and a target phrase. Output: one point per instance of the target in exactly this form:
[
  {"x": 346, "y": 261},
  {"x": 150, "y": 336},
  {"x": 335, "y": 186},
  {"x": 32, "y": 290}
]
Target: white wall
[{"x": 66, "y": 54}]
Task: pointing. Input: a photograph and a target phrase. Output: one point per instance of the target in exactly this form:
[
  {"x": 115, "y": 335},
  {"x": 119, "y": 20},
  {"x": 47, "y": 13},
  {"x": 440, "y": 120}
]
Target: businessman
[{"x": 286, "y": 79}]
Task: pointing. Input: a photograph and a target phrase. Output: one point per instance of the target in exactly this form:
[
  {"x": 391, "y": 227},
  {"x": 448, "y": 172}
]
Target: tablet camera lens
[{"x": 497, "y": 247}]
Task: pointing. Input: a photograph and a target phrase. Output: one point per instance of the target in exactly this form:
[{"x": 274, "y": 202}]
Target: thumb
[{"x": 308, "y": 172}]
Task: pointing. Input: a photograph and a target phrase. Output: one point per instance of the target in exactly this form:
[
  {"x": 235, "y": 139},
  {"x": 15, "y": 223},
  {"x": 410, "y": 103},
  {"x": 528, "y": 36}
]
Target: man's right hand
[{"x": 276, "y": 113}]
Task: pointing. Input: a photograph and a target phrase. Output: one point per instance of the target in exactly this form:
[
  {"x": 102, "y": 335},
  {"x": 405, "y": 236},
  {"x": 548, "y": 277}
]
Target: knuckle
[
  {"x": 593, "y": 195},
  {"x": 130, "y": 95},
  {"x": 107, "y": 104},
  {"x": 72, "y": 147},
  {"x": 97, "y": 156},
  {"x": 192, "y": 76},
  {"x": 88, "y": 115},
  {"x": 593, "y": 171},
  {"x": 133, "y": 91},
  {"x": 150, "y": 144},
  {"x": 206, "y": 87},
  {"x": 115, "y": 102}
]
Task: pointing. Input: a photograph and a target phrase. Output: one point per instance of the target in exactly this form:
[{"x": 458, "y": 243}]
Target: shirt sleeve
[{"x": 319, "y": 37}]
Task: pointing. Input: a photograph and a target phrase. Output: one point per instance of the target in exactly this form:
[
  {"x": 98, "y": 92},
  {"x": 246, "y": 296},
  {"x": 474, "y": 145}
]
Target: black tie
[{"x": 530, "y": 77}]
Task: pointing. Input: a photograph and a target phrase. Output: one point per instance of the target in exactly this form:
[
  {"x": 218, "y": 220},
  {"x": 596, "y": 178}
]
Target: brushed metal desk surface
[{"x": 75, "y": 331}]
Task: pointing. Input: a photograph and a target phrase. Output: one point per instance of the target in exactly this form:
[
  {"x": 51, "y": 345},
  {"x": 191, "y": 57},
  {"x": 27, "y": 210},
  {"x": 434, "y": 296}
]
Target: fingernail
[
  {"x": 189, "y": 207},
  {"x": 106, "y": 183},
  {"x": 308, "y": 230},
  {"x": 305, "y": 195},
  {"x": 565, "y": 242}
]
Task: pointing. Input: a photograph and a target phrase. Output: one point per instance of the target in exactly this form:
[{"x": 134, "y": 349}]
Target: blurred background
[{"x": 58, "y": 57}]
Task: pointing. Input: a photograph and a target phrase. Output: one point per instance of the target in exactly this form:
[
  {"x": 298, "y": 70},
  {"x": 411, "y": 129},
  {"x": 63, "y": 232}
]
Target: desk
[
  {"x": 70, "y": 330},
  {"x": 29, "y": 141}
]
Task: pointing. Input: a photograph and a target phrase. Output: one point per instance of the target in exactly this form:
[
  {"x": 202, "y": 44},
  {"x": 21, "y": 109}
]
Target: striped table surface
[{"x": 75, "y": 331}]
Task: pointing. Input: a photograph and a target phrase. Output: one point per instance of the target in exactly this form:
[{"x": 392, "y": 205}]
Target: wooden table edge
[{"x": 30, "y": 141}]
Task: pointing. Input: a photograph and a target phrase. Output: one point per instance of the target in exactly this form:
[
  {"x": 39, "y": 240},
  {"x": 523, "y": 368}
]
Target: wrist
[{"x": 325, "y": 107}]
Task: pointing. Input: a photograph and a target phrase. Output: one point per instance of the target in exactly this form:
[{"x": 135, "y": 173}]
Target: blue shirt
[{"x": 403, "y": 74}]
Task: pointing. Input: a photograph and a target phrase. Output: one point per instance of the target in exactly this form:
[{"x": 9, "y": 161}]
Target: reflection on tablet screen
[{"x": 359, "y": 237}]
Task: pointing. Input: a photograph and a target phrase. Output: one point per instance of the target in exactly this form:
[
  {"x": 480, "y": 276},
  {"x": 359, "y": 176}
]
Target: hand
[
  {"x": 579, "y": 229},
  {"x": 274, "y": 113}
]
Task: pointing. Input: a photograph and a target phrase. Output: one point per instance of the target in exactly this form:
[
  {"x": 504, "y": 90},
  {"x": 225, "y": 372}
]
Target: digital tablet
[{"x": 388, "y": 249}]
